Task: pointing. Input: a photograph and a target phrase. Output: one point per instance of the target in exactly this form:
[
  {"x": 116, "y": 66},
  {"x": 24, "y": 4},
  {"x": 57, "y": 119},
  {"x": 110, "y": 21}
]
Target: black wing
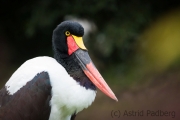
[{"x": 31, "y": 102}]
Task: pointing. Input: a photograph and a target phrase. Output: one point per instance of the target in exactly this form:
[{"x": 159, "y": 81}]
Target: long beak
[{"x": 92, "y": 73}]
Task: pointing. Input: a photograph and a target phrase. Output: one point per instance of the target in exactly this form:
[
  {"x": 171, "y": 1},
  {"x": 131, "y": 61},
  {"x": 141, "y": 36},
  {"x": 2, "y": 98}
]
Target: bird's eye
[{"x": 67, "y": 33}]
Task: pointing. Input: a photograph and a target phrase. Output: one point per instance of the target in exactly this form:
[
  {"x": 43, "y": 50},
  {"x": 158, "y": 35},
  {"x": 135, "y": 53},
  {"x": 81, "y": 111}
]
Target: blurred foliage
[
  {"x": 117, "y": 46},
  {"x": 162, "y": 41}
]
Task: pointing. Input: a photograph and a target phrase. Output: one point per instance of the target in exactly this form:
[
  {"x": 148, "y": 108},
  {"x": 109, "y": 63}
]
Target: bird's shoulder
[{"x": 29, "y": 69}]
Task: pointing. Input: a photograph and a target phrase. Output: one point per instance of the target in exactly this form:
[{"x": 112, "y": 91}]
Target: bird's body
[
  {"x": 45, "y": 88},
  {"x": 67, "y": 94}
]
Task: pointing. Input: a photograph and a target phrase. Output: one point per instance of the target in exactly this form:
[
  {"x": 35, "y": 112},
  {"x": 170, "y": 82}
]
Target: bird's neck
[
  {"x": 68, "y": 63},
  {"x": 74, "y": 70}
]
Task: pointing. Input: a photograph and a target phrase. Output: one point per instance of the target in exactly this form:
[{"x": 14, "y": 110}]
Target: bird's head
[{"x": 67, "y": 42}]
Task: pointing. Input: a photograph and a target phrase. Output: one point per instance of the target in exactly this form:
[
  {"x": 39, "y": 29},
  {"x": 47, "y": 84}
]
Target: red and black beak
[{"x": 75, "y": 45}]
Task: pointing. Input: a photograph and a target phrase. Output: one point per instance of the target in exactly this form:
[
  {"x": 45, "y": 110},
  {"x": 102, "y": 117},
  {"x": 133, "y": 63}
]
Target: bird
[{"x": 54, "y": 88}]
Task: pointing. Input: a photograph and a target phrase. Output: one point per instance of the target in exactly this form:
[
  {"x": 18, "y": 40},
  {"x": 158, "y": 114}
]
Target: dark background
[{"x": 134, "y": 44}]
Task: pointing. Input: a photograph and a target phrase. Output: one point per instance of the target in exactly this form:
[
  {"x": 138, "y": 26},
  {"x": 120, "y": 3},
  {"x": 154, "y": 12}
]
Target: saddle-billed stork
[{"x": 45, "y": 88}]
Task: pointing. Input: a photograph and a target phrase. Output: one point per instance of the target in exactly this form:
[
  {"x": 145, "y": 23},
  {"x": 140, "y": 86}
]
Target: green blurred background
[{"x": 135, "y": 44}]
